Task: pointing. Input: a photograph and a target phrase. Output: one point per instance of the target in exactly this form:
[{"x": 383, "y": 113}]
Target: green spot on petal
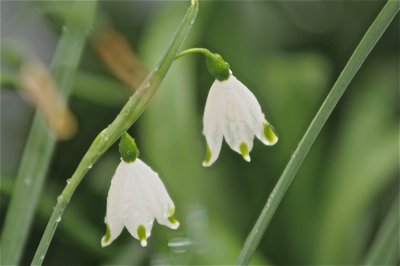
[
  {"x": 269, "y": 134},
  {"x": 141, "y": 231},
  {"x": 106, "y": 238},
  {"x": 244, "y": 150},
  {"x": 208, "y": 155},
  {"x": 173, "y": 220}
]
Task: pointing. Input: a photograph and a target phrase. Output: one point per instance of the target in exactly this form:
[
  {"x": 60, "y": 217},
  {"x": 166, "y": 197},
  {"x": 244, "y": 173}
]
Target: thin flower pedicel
[{"x": 136, "y": 197}]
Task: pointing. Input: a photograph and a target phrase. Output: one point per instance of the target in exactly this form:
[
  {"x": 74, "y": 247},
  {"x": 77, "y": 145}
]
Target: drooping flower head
[
  {"x": 232, "y": 112},
  {"x": 136, "y": 197}
]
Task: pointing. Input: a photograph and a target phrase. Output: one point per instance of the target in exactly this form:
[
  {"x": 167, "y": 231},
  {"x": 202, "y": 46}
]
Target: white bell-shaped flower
[
  {"x": 233, "y": 112},
  {"x": 136, "y": 197}
]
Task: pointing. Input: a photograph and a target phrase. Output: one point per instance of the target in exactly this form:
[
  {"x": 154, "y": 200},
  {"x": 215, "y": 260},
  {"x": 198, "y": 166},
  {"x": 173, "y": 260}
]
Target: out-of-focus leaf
[
  {"x": 385, "y": 246},
  {"x": 363, "y": 164},
  {"x": 293, "y": 87},
  {"x": 99, "y": 89}
]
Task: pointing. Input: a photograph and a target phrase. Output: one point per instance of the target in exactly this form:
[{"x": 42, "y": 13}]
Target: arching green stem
[
  {"x": 216, "y": 65},
  {"x": 136, "y": 104},
  {"x": 203, "y": 51}
]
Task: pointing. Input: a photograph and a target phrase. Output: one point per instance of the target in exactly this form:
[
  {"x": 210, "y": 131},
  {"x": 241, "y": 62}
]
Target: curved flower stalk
[
  {"x": 136, "y": 104},
  {"x": 136, "y": 197},
  {"x": 232, "y": 112}
]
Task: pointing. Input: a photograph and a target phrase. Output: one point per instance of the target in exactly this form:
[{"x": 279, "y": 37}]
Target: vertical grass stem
[
  {"x": 41, "y": 142},
  {"x": 358, "y": 57}
]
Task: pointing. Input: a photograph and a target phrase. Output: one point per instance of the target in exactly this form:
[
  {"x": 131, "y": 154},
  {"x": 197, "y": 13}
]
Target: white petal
[
  {"x": 255, "y": 117},
  {"x": 136, "y": 197},
  {"x": 233, "y": 112},
  {"x": 137, "y": 202},
  {"x": 240, "y": 117},
  {"x": 160, "y": 203},
  {"x": 267, "y": 134},
  {"x": 116, "y": 208},
  {"x": 212, "y": 121}
]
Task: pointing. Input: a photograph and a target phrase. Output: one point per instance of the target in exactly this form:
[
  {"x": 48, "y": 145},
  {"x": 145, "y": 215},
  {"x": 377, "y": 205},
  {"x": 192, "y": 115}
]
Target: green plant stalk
[
  {"x": 76, "y": 228},
  {"x": 385, "y": 248},
  {"x": 128, "y": 115},
  {"x": 40, "y": 146},
  {"x": 363, "y": 49},
  {"x": 203, "y": 51}
]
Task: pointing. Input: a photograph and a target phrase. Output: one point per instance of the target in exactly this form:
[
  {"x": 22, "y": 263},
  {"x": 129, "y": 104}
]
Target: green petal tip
[
  {"x": 270, "y": 135},
  {"x": 244, "y": 150}
]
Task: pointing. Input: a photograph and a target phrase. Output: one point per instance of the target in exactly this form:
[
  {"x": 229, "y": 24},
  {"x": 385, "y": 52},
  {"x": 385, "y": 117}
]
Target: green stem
[
  {"x": 385, "y": 248},
  {"x": 128, "y": 115},
  {"x": 40, "y": 145},
  {"x": 75, "y": 228},
  {"x": 365, "y": 46},
  {"x": 203, "y": 51}
]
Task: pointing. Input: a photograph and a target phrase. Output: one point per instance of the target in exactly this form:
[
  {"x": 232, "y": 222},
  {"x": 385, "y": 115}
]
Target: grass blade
[
  {"x": 385, "y": 247},
  {"x": 39, "y": 148},
  {"x": 362, "y": 51}
]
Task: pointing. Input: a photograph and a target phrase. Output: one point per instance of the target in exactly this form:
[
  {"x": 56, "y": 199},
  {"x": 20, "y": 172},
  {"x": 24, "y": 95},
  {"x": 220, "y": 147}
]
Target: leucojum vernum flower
[
  {"x": 232, "y": 112},
  {"x": 137, "y": 196}
]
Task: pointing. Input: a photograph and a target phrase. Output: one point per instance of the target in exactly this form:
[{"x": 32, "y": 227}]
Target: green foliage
[
  {"x": 41, "y": 142},
  {"x": 289, "y": 54}
]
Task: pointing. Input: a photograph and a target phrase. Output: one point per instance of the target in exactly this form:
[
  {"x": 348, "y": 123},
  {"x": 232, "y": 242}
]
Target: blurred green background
[{"x": 289, "y": 53}]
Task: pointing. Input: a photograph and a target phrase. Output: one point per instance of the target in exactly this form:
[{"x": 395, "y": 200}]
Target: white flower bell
[
  {"x": 136, "y": 197},
  {"x": 233, "y": 112}
]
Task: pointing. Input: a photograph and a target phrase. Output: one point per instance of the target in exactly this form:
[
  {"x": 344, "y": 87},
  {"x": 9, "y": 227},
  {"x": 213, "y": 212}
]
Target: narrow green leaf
[
  {"x": 365, "y": 46},
  {"x": 385, "y": 247},
  {"x": 40, "y": 145}
]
